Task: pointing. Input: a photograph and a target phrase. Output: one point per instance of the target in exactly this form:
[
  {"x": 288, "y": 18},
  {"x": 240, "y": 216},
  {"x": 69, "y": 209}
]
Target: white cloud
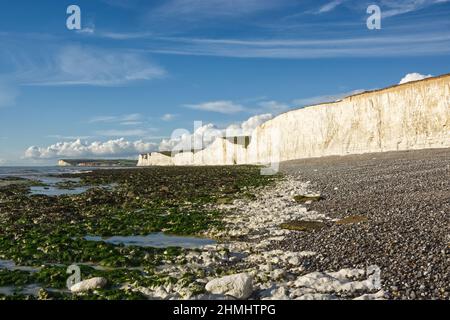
[
  {"x": 206, "y": 134},
  {"x": 249, "y": 125},
  {"x": 2, "y": 162},
  {"x": 183, "y": 140},
  {"x": 78, "y": 148},
  {"x": 413, "y": 77},
  {"x": 225, "y": 107},
  {"x": 246, "y": 128},
  {"x": 168, "y": 117},
  {"x": 78, "y": 65}
]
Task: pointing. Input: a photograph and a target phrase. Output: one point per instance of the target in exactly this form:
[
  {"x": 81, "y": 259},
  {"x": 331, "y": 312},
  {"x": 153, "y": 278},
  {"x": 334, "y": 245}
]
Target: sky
[{"x": 143, "y": 75}]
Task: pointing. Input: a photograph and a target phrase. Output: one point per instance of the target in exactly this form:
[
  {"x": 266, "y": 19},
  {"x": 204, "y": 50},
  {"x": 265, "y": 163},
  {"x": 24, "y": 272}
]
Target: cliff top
[{"x": 447, "y": 75}]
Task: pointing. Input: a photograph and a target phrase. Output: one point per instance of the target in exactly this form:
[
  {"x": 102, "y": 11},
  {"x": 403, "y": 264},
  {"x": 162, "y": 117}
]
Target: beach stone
[
  {"x": 294, "y": 261},
  {"x": 239, "y": 286},
  {"x": 89, "y": 284},
  {"x": 276, "y": 294}
]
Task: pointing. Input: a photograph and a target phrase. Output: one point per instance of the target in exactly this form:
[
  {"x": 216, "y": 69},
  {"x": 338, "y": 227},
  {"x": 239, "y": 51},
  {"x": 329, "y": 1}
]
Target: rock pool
[{"x": 157, "y": 240}]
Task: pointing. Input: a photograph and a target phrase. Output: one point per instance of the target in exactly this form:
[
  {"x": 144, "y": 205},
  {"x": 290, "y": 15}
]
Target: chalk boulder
[
  {"x": 239, "y": 286},
  {"x": 89, "y": 284}
]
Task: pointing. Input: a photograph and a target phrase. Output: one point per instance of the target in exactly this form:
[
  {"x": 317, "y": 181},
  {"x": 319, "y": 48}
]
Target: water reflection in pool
[
  {"x": 157, "y": 240},
  {"x": 55, "y": 191},
  {"x": 10, "y": 265}
]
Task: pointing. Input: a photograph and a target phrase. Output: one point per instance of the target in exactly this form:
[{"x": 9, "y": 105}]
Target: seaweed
[{"x": 49, "y": 231}]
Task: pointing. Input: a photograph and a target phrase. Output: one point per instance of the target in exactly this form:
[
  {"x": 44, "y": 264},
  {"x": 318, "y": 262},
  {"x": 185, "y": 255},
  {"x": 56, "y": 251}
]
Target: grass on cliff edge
[{"x": 41, "y": 230}]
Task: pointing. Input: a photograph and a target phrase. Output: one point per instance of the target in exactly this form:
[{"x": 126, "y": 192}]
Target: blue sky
[{"x": 140, "y": 69}]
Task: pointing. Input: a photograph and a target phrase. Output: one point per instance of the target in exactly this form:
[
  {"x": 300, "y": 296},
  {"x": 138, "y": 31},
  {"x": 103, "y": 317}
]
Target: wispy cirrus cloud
[
  {"x": 388, "y": 8},
  {"x": 124, "y": 35},
  {"x": 125, "y": 133},
  {"x": 373, "y": 45},
  {"x": 66, "y": 137},
  {"x": 287, "y": 39},
  {"x": 330, "y": 6},
  {"x": 125, "y": 4},
  {"x": 210, "y": 9},
  {"x": 221, "y": 106},
  {"x": 125, "y": 119},
  {"x": 75, "y": 65},
  {"x": 133, "y": 122},
  {"x": 395, "y": 8}
]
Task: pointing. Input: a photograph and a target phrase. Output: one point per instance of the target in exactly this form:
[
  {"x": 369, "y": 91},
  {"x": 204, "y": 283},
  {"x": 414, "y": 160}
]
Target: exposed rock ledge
[{"x": 414, "y": 115}]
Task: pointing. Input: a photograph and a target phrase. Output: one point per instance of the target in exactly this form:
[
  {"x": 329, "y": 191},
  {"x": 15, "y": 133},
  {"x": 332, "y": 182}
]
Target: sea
[
  {"x": 25, "y": 172},
  {"x": 47, "y": 175}
]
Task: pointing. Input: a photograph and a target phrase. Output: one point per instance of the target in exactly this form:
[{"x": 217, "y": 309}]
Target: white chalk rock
[
  {"x": 89, "y": 284},
  {"x": 380, "y": 295},
  {"x": 239, "y": 286}
]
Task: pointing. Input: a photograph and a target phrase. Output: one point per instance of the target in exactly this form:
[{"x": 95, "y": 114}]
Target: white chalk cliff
[{"x": 415, "y": 115}]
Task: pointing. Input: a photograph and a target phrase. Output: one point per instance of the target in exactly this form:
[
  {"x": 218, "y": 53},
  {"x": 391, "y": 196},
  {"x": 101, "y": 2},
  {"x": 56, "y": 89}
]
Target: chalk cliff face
[{"x": 415, "y": 115}]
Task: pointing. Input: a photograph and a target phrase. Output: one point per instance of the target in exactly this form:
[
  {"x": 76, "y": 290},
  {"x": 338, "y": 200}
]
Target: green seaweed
[
  {"x": 306, "y": 198},
  {"x": 302, "y": 225},
  {"x": 49, "y": 231}
]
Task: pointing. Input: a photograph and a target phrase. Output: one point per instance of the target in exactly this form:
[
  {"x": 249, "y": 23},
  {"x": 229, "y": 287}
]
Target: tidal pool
[
  {"x": 157, "y": 240},
  {"x": 31, "y": 289},
  {"x": 10, "y": 265},
  {"x": 55, "y": 191}
]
